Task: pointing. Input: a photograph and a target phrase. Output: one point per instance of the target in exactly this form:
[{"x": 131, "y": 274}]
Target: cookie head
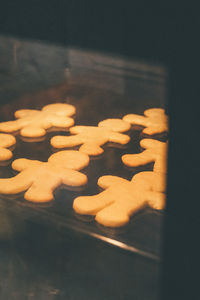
[
  {"x": 7, "y": 140},
  {"x": 116, "y": 125},
  {"x": 70, "y": 159},
  {"x": 60, "y": 109},
  {"x": 154, "y": 112}
]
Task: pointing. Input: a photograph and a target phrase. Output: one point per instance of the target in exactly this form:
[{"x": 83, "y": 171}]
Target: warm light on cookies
[
  {"x": 91, "y": 138},
  {"x": 39, "y": 179},
  {"x": 6, "y": 141},
  {"x": 34, "y": 123},
  {"x": 121, "y": 198},
  {"x": 155, "y": 151},
  {"x": 154, "y": 120}
]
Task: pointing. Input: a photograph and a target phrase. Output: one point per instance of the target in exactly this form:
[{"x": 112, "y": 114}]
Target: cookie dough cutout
[
  {"x": 6, "y": 141},
  {"x": 121, "y": 198},
  {"x": 155, "y": 151},
  {"x": 34, "y": 123},
  {"x": 154, "y": 120},
  {"x": 91, "y": 138},
  {"x": 39, "y": 179}
]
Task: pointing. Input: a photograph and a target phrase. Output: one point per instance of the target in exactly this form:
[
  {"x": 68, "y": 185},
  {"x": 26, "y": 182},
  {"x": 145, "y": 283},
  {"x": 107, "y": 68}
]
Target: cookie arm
[
  {"x": 21, "y": 113},
  {"x": 62, "y": 121},
  {"x": 135, "y": 119},
  {"x": 120, "y": 138},
  {"x": 60, "y": 141},
  {"x": 15, "y": 185},
  {"x": 91, "y": 148},
  {"x": 152, "y": 144},
  {"x": 23, "y": 163},
  {"x": 155, "y": 129},
  {"x": 135, "y": 160},
  {"x": 10, "y": 126},
  {"x": 108, "y": 180},
  {"x": 78, "y": 129}
]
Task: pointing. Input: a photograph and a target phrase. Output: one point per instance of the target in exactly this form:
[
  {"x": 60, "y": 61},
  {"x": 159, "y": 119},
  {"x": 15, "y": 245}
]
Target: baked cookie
[
  {"x": 6, "y": 141},
  {"x": 156, "y": 152},
  {"x": 122, "y": 198},
  {"x": 39, "y": 179},
  {"x": 34, "y": 123},
  {"x": 154, "y": 120},
  {"x": 92, "y": 137}
]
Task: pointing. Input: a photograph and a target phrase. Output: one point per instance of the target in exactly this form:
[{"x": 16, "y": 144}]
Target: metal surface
[
  {"x": 42, "y": 262},
  {"x": 100, "y": 87}
]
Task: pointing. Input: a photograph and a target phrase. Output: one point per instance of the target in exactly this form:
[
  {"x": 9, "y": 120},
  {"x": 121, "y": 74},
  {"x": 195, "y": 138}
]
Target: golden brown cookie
[
  {"x": 154, "y": 120},
  {"x": 122, "y": 198},
  {"x": 6, "y": 141},
  {"x": 91, "y": 137},
  {"x": 40, "y": 179},
  {"x": 34, "y": 123},
  {"x": 156, "y": 152}
]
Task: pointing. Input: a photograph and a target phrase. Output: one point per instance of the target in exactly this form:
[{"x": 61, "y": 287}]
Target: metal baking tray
[{"x": 100, "y": 86}]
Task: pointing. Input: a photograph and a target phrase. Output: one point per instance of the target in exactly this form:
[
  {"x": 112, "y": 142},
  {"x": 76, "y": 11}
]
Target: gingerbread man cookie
[
  {"x": 154, "y": 120},
  {"x": 6, "y": 141},
  {"x": 92, "y": 137},
  {"x": 34, "y": 123},
  {"x": 122, "y": 198},
  {"x": 156, "y": 152},
  {"x": 39, "y": 179}
]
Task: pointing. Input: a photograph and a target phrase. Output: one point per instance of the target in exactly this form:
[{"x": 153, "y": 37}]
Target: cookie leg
[
  {"x": 90, "y": 205},
  {"x": 73, "y": 178},
  {"x": 15, "y": 185},
  {"x": 91, "y": 149},
  {"x": 5, "y": 154},
  {"x": 113, "y": 216},
  {"x": 41, "y": 191},
  {"x": 32, "y": 131},
  {"x": 150, "y": 181},
  {"x": 156, "y": 200}
]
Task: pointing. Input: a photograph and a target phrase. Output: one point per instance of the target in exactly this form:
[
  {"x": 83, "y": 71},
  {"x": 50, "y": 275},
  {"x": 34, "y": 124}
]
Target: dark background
[
  {"x": 166, "y": 33},
  {"x": 123, "y": 27}
]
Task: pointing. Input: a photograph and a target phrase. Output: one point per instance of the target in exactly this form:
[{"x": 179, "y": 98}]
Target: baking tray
[{"x": 100, "y": 86}]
